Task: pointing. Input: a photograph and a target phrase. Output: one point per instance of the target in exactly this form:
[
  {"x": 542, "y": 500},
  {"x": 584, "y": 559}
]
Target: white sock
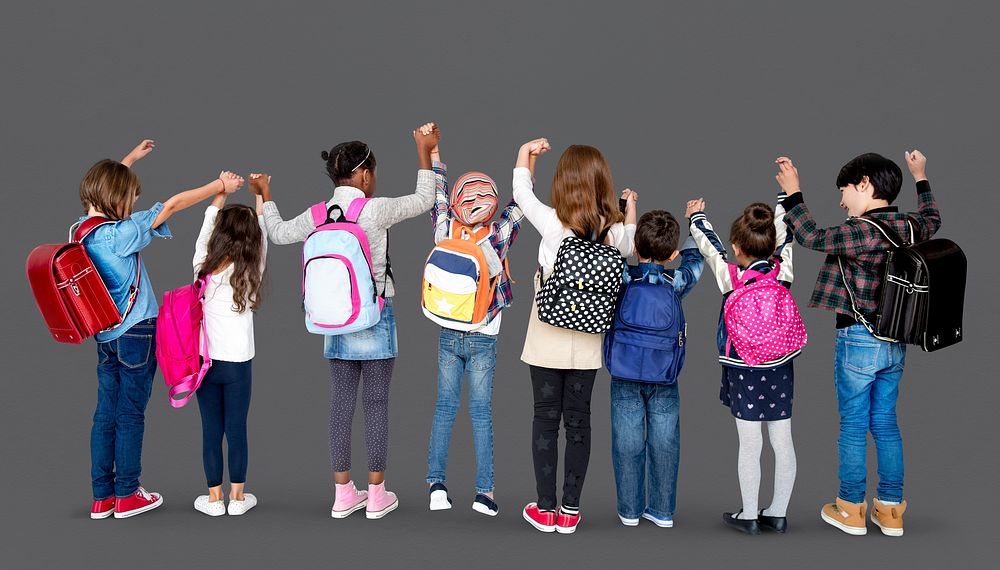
[
  {"x": 748, "y": 466},
  {"x": 780, "y": 434},
  {"x": 889, "y": 503}
]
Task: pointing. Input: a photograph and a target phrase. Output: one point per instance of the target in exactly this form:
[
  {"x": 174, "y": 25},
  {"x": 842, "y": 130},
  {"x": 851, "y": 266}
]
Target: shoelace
[{"x": 145, "y": 494}]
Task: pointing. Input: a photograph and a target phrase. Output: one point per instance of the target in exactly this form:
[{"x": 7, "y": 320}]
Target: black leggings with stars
[{"x": 561, "y": 395}]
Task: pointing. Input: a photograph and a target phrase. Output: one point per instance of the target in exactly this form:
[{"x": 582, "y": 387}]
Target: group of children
[{"x": 230, "y": 253}]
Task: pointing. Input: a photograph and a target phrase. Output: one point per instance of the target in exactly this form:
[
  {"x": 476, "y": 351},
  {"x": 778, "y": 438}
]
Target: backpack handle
[{"x": 751, "y": 274}]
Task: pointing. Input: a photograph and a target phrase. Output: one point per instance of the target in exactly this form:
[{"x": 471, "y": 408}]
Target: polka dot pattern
[
  {"x": 582, "y": 291},
  {"x": 345, "y": 375},
  {"x": 762, "y": 321}
]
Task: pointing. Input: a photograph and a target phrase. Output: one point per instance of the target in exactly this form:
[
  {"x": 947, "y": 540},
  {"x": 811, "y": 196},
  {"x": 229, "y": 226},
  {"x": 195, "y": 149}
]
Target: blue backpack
[{"x": 647, "y": 336}]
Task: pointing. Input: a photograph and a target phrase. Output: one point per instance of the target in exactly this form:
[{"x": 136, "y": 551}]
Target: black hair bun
[
  {"x": 325, "y": 155},
  {"x": 759, "y": 217}
]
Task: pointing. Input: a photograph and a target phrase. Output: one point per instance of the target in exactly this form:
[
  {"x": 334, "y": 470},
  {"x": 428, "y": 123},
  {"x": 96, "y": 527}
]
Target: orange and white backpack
[{"x": 457, "y": 289}]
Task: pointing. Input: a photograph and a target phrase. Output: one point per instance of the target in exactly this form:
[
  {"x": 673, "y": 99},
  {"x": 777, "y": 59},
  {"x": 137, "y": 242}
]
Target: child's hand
[
  {"x": 917, "y": 163},
  {"x": 427, "y": 129},
  {"x": 427, "y": 137},
  {"x": 536, "y": 147},
  {"x": 230, "y": 182},
  {"x": 630, "y": 197},
  {"x": 694, "y": 206},
  {"x": 260, "y": 184},
  {"x": 788, "y": 175},
  {"x": 141, "y": 150}
]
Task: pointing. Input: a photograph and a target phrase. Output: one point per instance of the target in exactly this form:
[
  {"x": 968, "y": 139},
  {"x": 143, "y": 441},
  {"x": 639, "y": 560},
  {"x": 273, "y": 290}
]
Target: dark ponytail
[
  {"x": 754, "y": 233},
  {"x": 345, "y": 159}
]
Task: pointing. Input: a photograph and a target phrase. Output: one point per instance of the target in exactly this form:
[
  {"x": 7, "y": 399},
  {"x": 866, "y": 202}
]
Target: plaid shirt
[
  {"x": 502, "y": 235},
  {"x": 863, "y": 248}
]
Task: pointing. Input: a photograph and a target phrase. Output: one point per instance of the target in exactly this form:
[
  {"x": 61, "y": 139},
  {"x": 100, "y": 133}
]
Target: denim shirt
[
  {"x": 112, "y": 249},
  {"x": 683, "y": 279}
]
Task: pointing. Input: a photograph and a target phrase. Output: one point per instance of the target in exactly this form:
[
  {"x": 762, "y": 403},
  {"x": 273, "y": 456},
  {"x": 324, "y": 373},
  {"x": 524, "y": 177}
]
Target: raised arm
[
  {"x": 201, "y": 244},
  {"x": 686, "y": 276},
  {"x": 227, "y": 182},
  {"x": 783, "y": 242},
  {"x": 709, "y": 244},
  {"x": 927, "y": 216},
  {"x": 279, "y": 231},
  {"x": 539, "y": 214},
  {"x": 440, "y": 220},
  {"x": 142, "y": 149},
  {"x": 390, "y": 211}
]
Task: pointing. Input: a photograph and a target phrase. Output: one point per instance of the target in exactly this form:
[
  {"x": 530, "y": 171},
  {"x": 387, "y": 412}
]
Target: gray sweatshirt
[{"x": 378, "y": 216}]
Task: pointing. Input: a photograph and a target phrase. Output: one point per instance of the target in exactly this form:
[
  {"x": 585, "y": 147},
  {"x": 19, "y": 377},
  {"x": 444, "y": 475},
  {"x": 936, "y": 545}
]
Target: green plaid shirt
[{"x": 862, "y": 247}]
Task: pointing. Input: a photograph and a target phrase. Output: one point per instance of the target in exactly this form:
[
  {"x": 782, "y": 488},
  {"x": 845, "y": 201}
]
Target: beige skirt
[{"x": 554, "y": 347}]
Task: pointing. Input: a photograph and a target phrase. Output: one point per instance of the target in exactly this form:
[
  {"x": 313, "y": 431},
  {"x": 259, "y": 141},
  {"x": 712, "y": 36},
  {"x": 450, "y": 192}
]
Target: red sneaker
[
  {"x": 136, "y": 503},
  {"x": 102, "y": 508},
  {"x": 544, "y": 521},
  {"x": 566, "y": 523}
]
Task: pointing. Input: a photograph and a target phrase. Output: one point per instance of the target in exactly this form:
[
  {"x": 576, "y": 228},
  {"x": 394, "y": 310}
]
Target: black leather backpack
[{"x": 922, "y": 293}]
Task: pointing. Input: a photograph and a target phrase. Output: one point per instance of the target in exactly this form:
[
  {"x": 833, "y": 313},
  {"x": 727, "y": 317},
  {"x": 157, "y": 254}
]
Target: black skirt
[{"x": 758, "y": 395}]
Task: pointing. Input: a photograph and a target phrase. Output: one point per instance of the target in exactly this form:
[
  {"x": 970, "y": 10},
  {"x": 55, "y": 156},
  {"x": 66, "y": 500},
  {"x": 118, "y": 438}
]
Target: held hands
[
  {"x": 917, "y": 163},
  {"x": 230, "y": 182},
  {"x": 694, "y": 206},
  {"x": 260, "y": 184},
  {"x": 530, "y": 151},
  {"x": 141, "y": 150},
  {"x": 631, "y": 197},
  {"x": 427, "y": 137},
  {"x": 788, "y": 175}
]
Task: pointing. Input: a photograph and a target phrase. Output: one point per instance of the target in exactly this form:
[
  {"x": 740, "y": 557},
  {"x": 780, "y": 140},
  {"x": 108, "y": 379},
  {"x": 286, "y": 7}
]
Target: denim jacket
[
  {"x": 683, "y": 279},
  {"x": 112, "y": 249}
]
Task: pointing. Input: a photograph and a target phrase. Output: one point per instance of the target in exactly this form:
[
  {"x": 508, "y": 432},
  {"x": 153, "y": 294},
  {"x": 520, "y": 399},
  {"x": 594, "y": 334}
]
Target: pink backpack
[
  {"x": 761, "y": 318},
  {"x": 180, "y": 320}
]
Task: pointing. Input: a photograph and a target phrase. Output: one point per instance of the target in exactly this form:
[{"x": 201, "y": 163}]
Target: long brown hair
[
  {"x": 237, "y": 239},
  {"x": 583, "y": 193},
  {"x": 111, "y": 188}
]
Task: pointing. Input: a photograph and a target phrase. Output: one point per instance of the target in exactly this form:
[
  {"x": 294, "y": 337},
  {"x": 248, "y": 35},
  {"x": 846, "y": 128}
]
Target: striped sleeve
[
  {"x": 713, "y": 250},
  {"x": 783, "y": 251}
]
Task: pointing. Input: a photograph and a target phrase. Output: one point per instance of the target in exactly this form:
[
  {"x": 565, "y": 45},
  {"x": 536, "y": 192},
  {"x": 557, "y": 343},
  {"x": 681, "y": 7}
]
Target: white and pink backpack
[
  {"x": 762, "y": 321},
  {"x": 338, "y": 281}
]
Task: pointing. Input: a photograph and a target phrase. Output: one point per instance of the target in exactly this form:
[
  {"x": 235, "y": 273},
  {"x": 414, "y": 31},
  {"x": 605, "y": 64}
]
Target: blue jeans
[
  {"x": 645, "y": 438},
  {"x": 224, "y": 402},
  {"x": 473, "y": 355},
  {"x": 867, "y": 374},
  {"x": 125, "y": 370}
]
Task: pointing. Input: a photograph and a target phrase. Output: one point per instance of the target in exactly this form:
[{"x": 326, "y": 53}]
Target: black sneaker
[
  {"x": 749, "y": 526},
  {"x": 485, "y": 505},
  {"x": 776, "y": 524},
  {"x": 439, "y": 497}
]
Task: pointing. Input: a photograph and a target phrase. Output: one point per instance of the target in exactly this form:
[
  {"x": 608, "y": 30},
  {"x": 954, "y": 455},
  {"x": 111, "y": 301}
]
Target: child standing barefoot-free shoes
[{"x": 126, "y": 353}]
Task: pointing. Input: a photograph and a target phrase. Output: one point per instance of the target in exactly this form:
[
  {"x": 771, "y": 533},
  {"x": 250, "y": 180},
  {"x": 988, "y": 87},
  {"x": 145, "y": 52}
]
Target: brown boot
[
  {"x": 848, "y": 517},
  {"x": 889, "y": 518}
]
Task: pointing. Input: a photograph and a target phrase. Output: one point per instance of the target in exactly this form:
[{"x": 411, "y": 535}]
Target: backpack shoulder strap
[
  {"x": 80, "y": 230},
  {"x": 354, "y": 210},
  {"x": 319, "y": 214},
  {"x": 887, "y": 231},
  {"x": 734, "y": 275}
]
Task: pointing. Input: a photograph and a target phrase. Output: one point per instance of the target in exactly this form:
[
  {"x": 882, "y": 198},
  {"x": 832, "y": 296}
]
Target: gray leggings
[{"x": 345, "y": 375}]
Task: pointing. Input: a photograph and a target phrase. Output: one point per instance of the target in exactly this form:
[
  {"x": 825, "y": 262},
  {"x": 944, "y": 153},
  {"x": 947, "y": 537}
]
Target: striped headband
[{"x": 474, "y": 198}]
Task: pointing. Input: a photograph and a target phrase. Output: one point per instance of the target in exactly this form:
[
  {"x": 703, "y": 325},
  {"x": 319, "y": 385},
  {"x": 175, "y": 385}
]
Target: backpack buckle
[
  {"x": 75, "y": 288},
  {"x": 579, "y": 285}
]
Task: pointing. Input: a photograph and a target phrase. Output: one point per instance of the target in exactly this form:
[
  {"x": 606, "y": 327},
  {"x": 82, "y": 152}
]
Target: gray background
[{"x": 685, "y": 101}]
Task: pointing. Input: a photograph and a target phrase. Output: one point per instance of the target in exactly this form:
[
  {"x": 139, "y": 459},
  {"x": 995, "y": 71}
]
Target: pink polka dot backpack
[{"x": 761, "y": 318}]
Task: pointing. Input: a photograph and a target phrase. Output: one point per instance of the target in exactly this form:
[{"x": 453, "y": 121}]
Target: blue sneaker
[
  {"x": 485, "y": 505},
  {"x": 662, "y": 522}
]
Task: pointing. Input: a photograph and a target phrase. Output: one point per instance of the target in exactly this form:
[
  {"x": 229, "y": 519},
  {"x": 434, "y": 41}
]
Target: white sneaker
[
  {"x": 210, "y": 508},
  {"x": 439, "y": 497},
  {"x": 237, "y": 508},
  {"x": 628, "y": 522}
]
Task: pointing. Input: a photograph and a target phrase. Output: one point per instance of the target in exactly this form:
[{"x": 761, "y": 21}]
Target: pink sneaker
[
  {"x": 348, "y": 500},
  {"x": 380, "y": 501}
]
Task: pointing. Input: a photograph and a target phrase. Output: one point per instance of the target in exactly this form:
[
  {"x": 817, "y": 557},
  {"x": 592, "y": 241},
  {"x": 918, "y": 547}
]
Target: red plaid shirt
[{"x": 863, "y": 248}]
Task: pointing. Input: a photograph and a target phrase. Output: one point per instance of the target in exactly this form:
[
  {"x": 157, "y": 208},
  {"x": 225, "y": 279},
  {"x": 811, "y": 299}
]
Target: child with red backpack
[
  {"x": 466, "y": 287},
  {"x": 229, "y": 258},
  {"x": 759, "y": 334},
  {"x": 126, "y": 352}
]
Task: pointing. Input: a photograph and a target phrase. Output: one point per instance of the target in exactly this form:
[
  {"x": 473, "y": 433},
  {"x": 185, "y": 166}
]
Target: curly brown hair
[{"x": 237, "y": 239}]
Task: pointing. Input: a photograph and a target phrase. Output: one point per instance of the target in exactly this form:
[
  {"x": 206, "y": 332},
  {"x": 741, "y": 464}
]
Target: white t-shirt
[
  {"x": 230, "y": 334},
  {"x": 545, "y": 220}
]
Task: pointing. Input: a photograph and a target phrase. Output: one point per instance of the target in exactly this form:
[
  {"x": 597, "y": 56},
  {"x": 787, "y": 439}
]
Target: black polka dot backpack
[{"x": 583, "y": 288}]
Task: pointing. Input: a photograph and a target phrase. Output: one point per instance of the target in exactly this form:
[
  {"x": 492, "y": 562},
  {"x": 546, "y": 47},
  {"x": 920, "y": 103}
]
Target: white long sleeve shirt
[{"x": 230, "y": 334}]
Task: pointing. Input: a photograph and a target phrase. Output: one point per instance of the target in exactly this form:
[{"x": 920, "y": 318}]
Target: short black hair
[
  {"x": 343, "y": 160},
  {"x": 884, "y": 174},
  {"x": 656, "y": 235}
]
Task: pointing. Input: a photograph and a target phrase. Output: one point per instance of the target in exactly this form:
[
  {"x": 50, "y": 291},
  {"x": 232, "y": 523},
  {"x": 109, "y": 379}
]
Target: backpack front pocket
[
  {"x": 639, "y": 356},
  {"x": 330, "y": 291}
]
